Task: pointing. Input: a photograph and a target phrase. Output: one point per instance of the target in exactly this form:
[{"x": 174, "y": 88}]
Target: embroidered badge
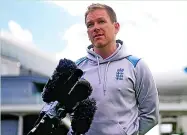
[{"x": 119, "y": 74}]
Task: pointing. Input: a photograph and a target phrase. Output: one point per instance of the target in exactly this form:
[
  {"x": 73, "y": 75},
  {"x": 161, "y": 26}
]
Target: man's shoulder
[
  {"x": 133, "y": 59},
  {"x": 80, "y": 60},
  {"x": 142, "y": 65}
]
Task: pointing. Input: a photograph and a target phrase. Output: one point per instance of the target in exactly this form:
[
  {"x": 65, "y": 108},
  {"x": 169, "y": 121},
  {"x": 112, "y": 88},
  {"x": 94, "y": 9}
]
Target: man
[{"x": 123, "y": 86}]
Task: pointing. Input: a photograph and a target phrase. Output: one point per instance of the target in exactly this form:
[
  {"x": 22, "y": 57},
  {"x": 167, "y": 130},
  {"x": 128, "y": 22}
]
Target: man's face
[{"x": 101, "y": 31}]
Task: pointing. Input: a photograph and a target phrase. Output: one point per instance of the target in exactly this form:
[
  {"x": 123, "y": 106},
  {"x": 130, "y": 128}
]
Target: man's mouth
[{"x": 98, "y": 35}]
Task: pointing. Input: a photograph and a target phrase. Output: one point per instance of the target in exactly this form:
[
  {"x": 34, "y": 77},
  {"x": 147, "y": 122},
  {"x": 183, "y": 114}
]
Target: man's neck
[{"x": 106, "y": 51}]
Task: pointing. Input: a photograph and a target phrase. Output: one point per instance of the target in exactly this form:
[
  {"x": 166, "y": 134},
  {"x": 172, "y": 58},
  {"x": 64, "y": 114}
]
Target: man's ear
[{"x": 117, "y": 27}]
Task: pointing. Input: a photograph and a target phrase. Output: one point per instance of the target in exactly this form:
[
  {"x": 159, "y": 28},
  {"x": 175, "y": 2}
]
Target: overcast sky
[{"x": 153, "y": 30}]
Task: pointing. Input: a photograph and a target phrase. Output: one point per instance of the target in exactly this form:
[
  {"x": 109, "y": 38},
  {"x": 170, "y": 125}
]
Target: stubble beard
[{"x": 101, "y": 45}]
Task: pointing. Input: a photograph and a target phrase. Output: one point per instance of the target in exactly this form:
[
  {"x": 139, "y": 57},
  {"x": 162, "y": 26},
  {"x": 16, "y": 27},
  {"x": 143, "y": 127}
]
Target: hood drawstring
[
  {"x": 105, "y": 74},
  {"x": 99, "y": 70},
  {"x": 105, "y": 77}
]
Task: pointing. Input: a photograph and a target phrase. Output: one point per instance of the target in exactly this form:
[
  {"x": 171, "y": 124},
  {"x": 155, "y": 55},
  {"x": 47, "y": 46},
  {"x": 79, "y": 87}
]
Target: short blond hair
[{"x": 108, "y": 9}]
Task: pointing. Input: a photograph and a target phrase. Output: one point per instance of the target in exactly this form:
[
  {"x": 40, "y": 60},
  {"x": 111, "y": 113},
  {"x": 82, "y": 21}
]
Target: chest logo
[{"x": 119, "y": 74}]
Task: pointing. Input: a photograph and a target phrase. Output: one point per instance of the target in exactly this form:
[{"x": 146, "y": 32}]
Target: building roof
[{"x": 29, "y": 56}]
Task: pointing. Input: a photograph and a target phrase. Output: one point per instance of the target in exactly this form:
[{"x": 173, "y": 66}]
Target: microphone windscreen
[
  {"x": 83, "y": 116},
  {"x": 81, "y": 91},
  {"x": 65, "y": 64},
  {"x": 65, "y": 70}
]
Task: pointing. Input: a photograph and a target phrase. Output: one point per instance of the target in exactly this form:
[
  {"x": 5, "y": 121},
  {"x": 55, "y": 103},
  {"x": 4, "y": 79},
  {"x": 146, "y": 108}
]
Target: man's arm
[{"x": 147, "y": 98}]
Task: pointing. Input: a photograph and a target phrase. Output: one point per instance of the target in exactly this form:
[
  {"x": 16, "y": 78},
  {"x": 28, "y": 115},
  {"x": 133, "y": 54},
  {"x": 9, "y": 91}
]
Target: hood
[{"x": 120, "y": 53}]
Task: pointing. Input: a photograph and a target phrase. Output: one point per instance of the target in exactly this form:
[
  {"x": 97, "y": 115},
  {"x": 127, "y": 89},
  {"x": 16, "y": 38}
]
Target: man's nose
[{"x": 96, "y": 28}]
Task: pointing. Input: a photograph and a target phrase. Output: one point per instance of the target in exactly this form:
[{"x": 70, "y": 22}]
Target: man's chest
[{"x": 112, "y": 80}]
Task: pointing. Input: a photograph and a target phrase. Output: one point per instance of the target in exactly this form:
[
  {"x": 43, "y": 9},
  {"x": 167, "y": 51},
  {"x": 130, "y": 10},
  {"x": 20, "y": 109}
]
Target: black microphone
[
  {"x": 63, "y": 79},
  {"x": 81, "y": 91},
  {"x": 52, "y": 113},
  {"x": 66, "y": 89},
  {"x": 83, "y": 116},
  {"x": 50, "y": 118}
]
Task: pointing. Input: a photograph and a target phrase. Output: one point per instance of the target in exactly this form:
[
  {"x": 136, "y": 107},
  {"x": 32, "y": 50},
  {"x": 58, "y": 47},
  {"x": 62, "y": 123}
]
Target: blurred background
[{"x": 34, "y": 35}]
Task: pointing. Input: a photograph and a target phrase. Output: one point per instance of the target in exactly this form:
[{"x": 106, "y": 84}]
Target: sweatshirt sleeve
[{"x": 147, "y": 98}]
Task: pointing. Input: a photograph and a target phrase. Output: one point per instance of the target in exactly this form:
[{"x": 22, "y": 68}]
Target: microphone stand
[{"x": 50, "y": 121}]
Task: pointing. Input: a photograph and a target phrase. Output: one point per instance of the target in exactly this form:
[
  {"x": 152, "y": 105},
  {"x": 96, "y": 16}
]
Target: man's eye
[
  {"x": 89, "y": 25},
  {"x": 101, "y": 21}
]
